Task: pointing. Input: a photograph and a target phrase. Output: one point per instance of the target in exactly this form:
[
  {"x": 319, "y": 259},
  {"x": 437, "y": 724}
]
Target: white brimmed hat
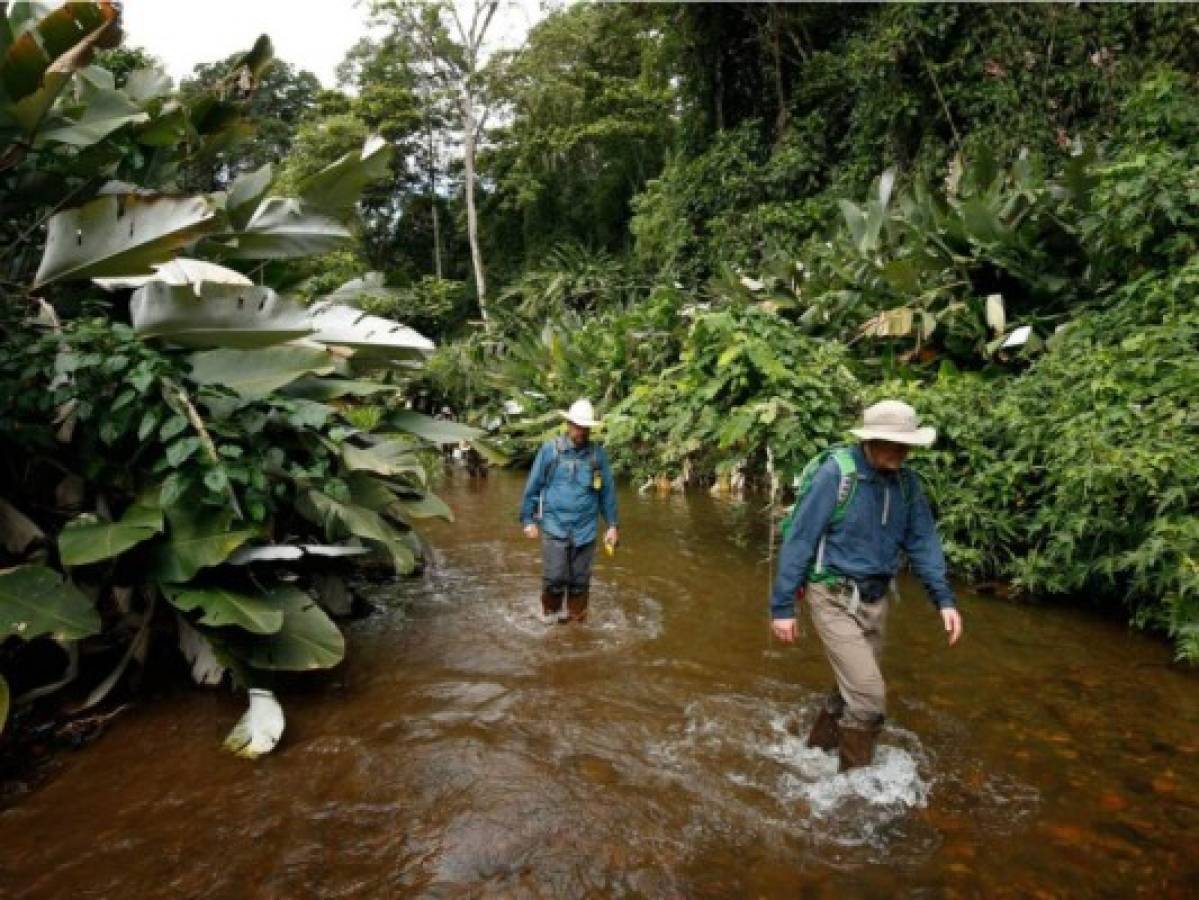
[
  {"x": 895, "y": 421},
  {"x": 581, "y": 413}
]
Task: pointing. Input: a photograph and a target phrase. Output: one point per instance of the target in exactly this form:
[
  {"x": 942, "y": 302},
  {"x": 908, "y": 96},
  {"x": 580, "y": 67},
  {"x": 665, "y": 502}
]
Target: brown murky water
[{"x": 468, "y": 750}]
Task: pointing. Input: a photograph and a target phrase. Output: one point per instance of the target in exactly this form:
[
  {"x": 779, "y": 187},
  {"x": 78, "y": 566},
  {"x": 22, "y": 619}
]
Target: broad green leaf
[
  {"x": 336, "y": 188},
  {"x": 360, "y": 522},
  {"x": 252, "y": 374},
  {"x": 197, "y": 537},
  {"x": 427, "y": 507},
  {"x": 282, "y": 228},
  {"x": 246, "y": 193},
  {"x": 35, "y": 600},
  {"x": 85, "y": 540},
  {"x": 121, "y": 235},
  {"x": 220, "y": 607},
  {"x": 223, "y": 315},
  {"x": 387, "y": 458},
  {"x": 104, "y": 113},
  {"x": 436, "y": 431},
  {"x": 347, "y": 326},
  {"x": 33, "y": 72},
  {"x": 308, "y": 639},
  {"x": 323, "y": 389}
]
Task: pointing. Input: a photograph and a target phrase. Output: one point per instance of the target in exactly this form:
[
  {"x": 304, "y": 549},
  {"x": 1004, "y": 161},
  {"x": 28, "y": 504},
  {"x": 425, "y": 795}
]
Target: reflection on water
[{"x": 468, "y": 749}]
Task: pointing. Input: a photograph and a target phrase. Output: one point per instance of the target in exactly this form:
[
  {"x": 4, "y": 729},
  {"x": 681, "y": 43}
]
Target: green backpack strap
[{"x": 847, "y": 485}]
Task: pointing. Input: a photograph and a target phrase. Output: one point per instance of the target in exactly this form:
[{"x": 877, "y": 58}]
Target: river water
[{"x": 466, "y": 749}]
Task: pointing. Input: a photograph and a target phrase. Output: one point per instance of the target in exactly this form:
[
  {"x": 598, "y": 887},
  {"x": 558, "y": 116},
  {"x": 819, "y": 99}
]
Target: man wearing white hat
[
  {"x": 861, "y": 508},
  {"x": 569, "y": 487}
]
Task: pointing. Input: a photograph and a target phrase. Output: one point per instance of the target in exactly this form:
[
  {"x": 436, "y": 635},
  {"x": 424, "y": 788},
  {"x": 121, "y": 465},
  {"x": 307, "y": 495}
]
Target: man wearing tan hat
[
  {"x": 843, "y": 551},
  {"x": 569, "y": 487}
]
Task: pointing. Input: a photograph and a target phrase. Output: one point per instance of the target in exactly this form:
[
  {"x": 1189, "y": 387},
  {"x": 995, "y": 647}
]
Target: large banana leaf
[
  {"x": 103, "y": 113},
  {"x": 325, "y": 389},
  {"x": 86, "y": 540},
  {"x": 197, "y": 538},
  {"x": 283, "y": 228},
  {"x": 246, "y": 193},
  {"x": 336, "y": 188},
  {"x": 331, "y": 515},
  {"x": 252, "y": 374},
  {"x": 387, "y": 458},
  {"x": 307, "y": 640},
  {"x": 121, "y": 235},
  {"x": 34, "y": 601},
  {"x": 38, "y": 62},
  {"x": 180, "y": 271},
  {"x": 258, "y": 615},
  {"x": 435, "y": 431},
  {"x": 346, "y": 326},
  {"x": 217, "y": 315}
]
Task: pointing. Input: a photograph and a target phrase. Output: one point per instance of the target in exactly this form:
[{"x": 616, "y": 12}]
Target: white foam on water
[{"x": 891, "y": 783}]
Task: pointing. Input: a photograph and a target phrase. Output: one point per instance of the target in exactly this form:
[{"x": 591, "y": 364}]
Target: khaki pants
[{"x": 853, "y": 643}]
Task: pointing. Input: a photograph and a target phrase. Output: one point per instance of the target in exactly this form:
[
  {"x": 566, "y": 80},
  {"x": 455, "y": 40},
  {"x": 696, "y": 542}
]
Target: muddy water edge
[{"x": 466, "y": 749}]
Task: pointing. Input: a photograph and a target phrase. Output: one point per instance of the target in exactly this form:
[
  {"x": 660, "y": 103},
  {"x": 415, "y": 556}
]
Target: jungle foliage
[
  {"x": 183, "y": 461},
  {"x": 990, "y": 211}
]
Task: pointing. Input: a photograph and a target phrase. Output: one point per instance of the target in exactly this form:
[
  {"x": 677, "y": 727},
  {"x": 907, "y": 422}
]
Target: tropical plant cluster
[
  {"x": 191, "y": 459},
  {"x": 991, "y": 212}
]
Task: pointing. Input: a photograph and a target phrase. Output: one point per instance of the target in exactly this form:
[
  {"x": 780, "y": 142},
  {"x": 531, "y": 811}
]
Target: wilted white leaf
[{"x": 259, "y": 730}]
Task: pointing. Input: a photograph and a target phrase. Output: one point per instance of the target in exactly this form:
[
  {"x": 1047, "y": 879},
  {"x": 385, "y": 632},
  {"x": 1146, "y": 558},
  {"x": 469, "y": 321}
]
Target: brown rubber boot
[
  {"x": 856, "y": 746},
  {"x": 576, "y": 606},
  {"x": 551, "y": 603},
  {"x": 826, "y": 732}
]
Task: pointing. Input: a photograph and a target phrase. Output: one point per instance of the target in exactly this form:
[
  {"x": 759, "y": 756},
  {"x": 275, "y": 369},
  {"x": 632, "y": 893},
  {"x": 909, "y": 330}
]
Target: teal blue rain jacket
[{"x": 571, "y": 506}]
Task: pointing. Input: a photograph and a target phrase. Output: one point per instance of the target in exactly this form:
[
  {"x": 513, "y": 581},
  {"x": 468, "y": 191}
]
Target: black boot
[
  {"x": 856, "y": 746},
  {"x": 551, "y": 603}
]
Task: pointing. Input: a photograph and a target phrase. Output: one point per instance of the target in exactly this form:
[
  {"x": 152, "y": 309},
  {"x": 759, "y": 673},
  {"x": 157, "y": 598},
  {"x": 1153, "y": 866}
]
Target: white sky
[{"x": 309, "y": 34}]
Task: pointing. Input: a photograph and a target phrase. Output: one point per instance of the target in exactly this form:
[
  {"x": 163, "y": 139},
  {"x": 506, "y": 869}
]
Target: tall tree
[
  {"x": 591, "y": 119},
  {"x": 451, "y": 36}
]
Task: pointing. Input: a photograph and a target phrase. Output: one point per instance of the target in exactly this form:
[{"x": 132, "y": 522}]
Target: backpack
[{"x": 845, "y": 487}]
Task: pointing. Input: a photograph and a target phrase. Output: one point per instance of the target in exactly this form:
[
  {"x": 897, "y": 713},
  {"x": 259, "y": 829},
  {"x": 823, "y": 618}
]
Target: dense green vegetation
[
  {"x": 730, "y": 225},
  {"x": 188, "y": 460},
  {"x": 745, "y": 221}
]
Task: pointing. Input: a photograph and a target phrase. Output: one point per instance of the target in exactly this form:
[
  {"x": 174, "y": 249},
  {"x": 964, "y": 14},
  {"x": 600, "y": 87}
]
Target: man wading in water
[
  {"x": 570, "y": 485},
  {"x": 858, "y": 508}
]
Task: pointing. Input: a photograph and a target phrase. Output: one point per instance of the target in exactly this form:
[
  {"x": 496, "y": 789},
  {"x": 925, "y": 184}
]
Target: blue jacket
[
  {"x": 571, "y": 505},
  {"x": 883, "y": 518}
]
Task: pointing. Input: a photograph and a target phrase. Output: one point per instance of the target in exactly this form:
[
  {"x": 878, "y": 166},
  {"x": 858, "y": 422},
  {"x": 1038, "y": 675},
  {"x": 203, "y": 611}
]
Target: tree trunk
[
  {"x": 433, "y": 208},
  {"x": 472, "y": 216}
]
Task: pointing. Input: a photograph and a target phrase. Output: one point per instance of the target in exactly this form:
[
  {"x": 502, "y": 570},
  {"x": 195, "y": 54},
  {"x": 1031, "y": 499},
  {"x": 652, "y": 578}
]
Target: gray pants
[
  {"x": 565, "y": 566},
  {"x": 852, "y": 635}
]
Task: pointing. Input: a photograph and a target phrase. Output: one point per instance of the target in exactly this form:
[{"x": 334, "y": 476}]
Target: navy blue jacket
[
  {"x": 571, "y": 504},
  {"x": 883, "y": 518}
]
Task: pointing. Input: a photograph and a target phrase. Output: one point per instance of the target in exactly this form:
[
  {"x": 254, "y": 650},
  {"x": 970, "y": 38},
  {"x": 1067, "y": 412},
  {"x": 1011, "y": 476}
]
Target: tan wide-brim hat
[
  {"x": 894, "y": 421},
  {"x": 581, "y": 413}
]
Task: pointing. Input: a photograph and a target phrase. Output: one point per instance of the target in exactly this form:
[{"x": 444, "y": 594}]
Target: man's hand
[
  {"x": 953, "y": 624},
  {"x": 532, "y": 531},
  {"x": 612, "y": 537},
  {"x": 784, "y": 629}
]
